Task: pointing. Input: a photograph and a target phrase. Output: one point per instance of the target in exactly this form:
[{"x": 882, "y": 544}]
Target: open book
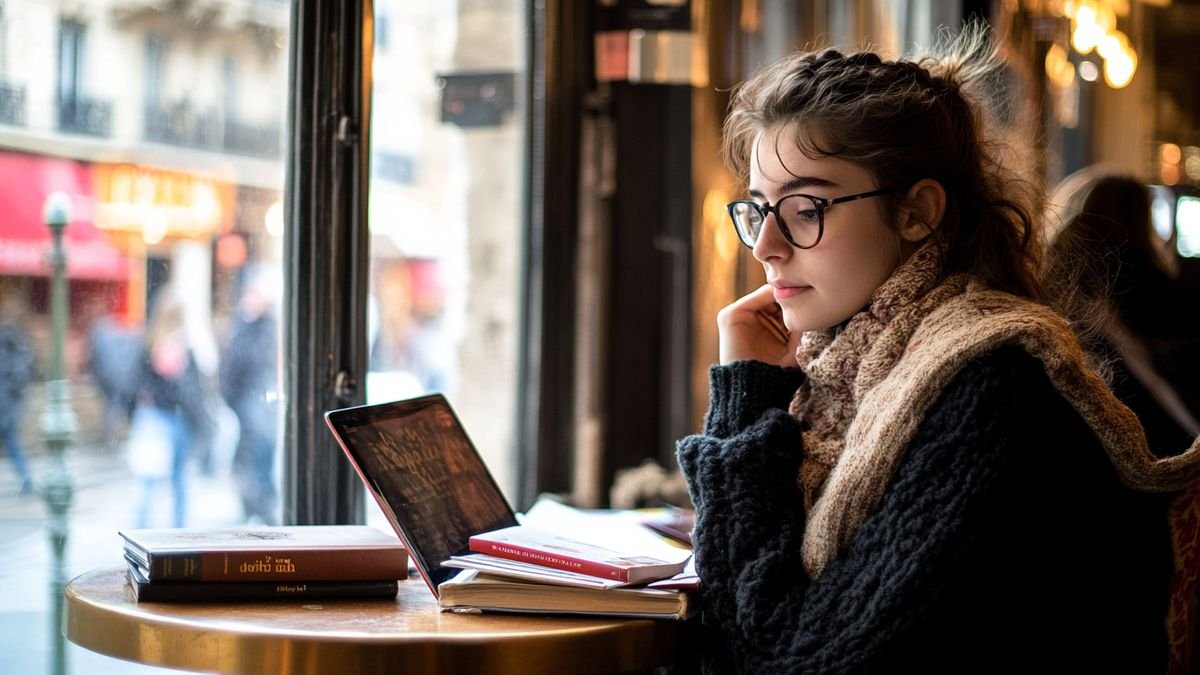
[
  {"x": 609, "y": 547},
  {"x": 659, "y": 590},
  {"x": 418, "y": 463},
  {"x": 473, "y": 591}
]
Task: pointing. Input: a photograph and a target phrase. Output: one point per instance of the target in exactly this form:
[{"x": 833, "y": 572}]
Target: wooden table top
[{"x": 404, "y": 635}]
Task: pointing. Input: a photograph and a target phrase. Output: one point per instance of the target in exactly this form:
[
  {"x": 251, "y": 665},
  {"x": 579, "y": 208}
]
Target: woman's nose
[{"x": 771, "y": 242}]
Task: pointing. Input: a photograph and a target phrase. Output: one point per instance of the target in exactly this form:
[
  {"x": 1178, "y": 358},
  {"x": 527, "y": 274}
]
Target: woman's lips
[{"x": 784, "y": 291}]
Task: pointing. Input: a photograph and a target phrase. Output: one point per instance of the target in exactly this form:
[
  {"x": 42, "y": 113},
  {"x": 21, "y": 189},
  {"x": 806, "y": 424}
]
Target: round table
[{"x": 404, "y": 635}]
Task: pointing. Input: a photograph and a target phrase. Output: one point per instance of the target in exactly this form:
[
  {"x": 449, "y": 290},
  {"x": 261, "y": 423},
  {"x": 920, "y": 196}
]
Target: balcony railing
[
  {"x": 12, "y": 104},
  {"x": 255, "y": 140},
  {"x": 180, "y": 124},
  {"x": 84, "y": 115}
]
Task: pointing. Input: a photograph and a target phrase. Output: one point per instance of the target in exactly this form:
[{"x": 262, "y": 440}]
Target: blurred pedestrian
[
  {"x": 17, "y": 370},
  {"x": 249, "y": 372},
  {"x": 410, "y": 336},
  {"x": 114, "y": 357},
  {"x": 170, "y": 400}
]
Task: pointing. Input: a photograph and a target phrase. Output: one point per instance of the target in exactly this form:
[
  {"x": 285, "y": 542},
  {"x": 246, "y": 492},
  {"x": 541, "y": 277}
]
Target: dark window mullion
[
  {"x": 559, "y": 66},
  {"x": 325, "y": 245}
]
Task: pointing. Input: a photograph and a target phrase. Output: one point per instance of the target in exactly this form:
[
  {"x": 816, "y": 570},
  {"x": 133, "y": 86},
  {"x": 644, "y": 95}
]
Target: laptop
[{"x": 418, "y": 463}]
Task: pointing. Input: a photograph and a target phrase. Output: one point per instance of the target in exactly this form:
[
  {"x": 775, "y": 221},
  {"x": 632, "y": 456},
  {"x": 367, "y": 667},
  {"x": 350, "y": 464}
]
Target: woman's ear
[{"x": 924, "y": 206}]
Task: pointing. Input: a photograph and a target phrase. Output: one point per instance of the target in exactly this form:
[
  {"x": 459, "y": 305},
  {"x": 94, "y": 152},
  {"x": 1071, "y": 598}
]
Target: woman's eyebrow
[{"x": 797, "y": 183}]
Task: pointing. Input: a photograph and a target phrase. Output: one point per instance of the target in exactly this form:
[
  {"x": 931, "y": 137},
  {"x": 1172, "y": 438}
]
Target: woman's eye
[{"x": 806, "y": 216}]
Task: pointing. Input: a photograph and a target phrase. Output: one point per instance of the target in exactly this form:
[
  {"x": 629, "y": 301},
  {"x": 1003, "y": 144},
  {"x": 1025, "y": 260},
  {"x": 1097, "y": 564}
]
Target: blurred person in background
[
  {"x": 248, "y": 375},
  {"x": 114, "y": 358},
  {"x": 1109, "y": 272},
  {"x": 410, "y": 336},
  {"x": 169, "y": 411},
  {"x": 17, "y": 370}
]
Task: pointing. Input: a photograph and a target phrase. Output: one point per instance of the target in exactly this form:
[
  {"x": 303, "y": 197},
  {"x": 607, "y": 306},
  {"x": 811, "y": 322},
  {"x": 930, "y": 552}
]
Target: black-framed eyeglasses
[{"x": 801, "y": 217}]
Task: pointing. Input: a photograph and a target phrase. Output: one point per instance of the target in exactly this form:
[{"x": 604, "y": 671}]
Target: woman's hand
[{"x": 752, "y": 329}]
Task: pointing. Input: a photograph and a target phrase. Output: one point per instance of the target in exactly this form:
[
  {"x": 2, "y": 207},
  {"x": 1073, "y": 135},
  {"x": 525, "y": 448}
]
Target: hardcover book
[
  {"x": 558, "y": 551},
  {"x": 516, "y": 569},
  {"x": 290, "y": 553},
  {"x": 182, "y": 591}
]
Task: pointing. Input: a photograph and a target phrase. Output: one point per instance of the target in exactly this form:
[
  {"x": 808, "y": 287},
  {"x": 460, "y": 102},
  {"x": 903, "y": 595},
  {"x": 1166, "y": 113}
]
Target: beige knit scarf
[{"x": 871, "y": 383}]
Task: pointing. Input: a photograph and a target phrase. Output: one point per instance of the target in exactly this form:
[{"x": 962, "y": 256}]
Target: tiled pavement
[{"x": 104, "y": 500}]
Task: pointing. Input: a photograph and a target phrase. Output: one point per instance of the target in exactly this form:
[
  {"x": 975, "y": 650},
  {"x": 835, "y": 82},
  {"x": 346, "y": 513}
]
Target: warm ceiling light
[
  {"x": 1112, "y": 44},
  {"x": 1087, "y": 32},
  {"x": 1088, "y": 71},
  {"x": 1060, "y": 71},
  {"x": 1191, "y": 166},
  {"x": 1119, "y": 70},
  {"x": 1106, "y": 18},
  {"x": 1169, "y": 153}
]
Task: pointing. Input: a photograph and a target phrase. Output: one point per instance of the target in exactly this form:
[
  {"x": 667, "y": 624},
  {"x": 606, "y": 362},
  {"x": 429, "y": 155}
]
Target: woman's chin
[{"x": 804, "y": 322}]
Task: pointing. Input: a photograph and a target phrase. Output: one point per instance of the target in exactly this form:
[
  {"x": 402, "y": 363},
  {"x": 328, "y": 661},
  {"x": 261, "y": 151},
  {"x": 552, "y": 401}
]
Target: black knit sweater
[{"x": 1005, "y": 542}]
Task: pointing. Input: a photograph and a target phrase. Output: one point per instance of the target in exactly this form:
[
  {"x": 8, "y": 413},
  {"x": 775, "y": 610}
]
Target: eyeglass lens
[{"x": 798, "y": 214}]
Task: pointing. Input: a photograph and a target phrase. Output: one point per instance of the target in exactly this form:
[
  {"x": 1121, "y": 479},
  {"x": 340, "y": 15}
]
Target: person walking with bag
[
  {"x": 249, "y": 373},
  {"x": 162, "y": 427}
]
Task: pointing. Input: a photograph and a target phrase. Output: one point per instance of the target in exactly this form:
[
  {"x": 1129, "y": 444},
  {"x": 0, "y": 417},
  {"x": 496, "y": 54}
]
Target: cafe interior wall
[{"x": 1081, "y": 118}]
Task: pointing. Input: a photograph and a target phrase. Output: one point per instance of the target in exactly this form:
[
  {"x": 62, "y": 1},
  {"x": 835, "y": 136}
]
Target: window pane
[
  {"x": 445, "y": 212},
  {"x": 163, "y": 129}
]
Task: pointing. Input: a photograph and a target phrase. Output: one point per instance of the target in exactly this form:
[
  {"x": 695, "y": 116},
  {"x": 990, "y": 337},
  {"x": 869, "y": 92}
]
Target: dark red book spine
[
  {"x": 307, "y": 565},
  {"x": 555, "y": 560}
]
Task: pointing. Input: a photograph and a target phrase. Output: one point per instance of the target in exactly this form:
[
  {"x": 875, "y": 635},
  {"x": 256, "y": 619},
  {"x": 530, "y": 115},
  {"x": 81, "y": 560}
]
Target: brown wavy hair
[{"x": 934, "y": 116}]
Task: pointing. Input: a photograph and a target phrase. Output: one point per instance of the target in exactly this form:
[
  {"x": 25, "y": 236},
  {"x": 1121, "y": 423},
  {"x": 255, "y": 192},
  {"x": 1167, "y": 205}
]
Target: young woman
[{"x": 907, "y": 465}]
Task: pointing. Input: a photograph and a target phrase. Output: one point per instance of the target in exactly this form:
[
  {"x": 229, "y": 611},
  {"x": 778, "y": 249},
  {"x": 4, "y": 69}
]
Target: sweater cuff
[{"x": 740, "y": 392}]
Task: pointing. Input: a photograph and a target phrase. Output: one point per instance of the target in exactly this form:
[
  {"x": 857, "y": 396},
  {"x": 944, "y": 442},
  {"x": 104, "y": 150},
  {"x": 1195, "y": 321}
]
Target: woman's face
[{"x": 825, "y": 285}]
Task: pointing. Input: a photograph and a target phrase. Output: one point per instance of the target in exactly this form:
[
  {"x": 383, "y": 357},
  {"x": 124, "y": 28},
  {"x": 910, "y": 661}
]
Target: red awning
[{"x": 25, "y": 182}]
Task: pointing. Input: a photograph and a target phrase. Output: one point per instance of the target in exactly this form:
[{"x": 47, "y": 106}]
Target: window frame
[
  {"x": 326, "y": 246},
  {"x": 559, "y": 66},
  {"x": 325, "y": 355}
]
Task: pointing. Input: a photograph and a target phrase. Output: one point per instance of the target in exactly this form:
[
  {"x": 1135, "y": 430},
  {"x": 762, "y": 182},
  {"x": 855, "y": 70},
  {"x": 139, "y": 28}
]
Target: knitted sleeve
[
  {"x": 758, "y": 604},
  {"x": 742, "y": 390}
]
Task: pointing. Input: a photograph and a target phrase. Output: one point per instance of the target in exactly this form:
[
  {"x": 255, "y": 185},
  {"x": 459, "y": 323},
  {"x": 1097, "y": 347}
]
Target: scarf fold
[{"x": 872, "y": 382}]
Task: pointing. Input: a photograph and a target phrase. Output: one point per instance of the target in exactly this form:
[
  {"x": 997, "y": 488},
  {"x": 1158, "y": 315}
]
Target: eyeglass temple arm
[{"x": 865, "y": 195}]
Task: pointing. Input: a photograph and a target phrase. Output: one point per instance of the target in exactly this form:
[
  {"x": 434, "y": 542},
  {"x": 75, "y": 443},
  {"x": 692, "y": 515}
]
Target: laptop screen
[{"x": 418, "y": 462}]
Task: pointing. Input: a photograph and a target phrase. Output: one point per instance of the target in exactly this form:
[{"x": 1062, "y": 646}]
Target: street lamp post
[{"x": 58, "y": 424}]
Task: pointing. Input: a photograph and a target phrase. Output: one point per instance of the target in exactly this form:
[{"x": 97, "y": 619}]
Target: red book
[
  {"x": 291, "y": 553},
  {"x": 559, "y": 552}
]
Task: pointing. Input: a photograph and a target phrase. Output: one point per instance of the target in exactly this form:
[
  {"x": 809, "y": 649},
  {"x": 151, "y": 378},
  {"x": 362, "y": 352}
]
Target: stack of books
[
  {"x": 263, "y": 563},
  {"x": 592, "y": 567}
]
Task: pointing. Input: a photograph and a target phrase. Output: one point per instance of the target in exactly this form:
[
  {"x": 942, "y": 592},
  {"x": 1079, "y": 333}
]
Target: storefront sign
[{"x": 159, "y": 203}]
